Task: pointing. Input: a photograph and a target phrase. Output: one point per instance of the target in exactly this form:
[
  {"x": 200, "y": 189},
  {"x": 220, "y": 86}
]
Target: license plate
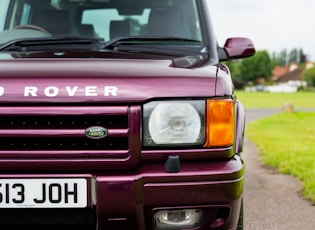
[{"x": 43, "y": 193}]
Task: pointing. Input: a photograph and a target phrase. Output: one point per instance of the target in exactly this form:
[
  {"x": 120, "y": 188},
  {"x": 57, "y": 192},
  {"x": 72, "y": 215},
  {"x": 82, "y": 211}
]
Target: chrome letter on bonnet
[
  {"x": 1, "y": 91},
  {"x": 30, "y": 91},
  {"x": 110, "y": 90}
]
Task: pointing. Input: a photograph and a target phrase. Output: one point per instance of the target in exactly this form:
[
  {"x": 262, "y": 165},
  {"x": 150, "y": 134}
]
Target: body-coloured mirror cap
[{"x": 239, "y": 48}]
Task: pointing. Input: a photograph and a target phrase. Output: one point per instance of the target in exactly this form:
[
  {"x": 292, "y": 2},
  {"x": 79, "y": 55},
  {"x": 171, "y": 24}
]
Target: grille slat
[
  {"x": 48, "y": 143},
  {"x": 56, "y": 132},
  {"x": 61, "y": 122}
]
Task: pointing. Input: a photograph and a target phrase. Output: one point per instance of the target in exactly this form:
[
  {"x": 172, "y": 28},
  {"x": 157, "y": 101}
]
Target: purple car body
[{"x": 94, "y": 137}]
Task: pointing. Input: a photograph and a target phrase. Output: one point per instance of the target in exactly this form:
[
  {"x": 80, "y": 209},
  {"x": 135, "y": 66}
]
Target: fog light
[{"x": 177, "y": 219}]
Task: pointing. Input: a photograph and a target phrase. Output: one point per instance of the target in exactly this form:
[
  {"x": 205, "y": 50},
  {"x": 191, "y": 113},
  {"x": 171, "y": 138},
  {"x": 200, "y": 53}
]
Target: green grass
[
  {"x": 286, "y": 141},
  {"x": 276, "y": 100}
]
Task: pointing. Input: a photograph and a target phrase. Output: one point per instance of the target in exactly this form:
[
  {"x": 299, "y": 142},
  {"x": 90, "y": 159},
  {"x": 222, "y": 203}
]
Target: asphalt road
[{"x": 272, "y": 201}]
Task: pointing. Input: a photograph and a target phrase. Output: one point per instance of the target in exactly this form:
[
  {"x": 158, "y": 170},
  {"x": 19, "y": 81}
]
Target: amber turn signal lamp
[{"x": 219, "y": 123}]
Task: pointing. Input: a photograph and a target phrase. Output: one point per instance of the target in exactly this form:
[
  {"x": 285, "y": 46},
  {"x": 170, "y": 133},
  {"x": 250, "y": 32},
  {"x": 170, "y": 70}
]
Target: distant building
[
  {"x": 309, "y": 65},
  {"x": 279, "y": 71},
  {"x": 286, "y": 79},
  {"x": 295, "y": 74},
  {"x": 289, "y": 81}
]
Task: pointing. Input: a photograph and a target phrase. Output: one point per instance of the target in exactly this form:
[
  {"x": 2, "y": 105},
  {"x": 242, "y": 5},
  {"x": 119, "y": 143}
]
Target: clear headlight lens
[{"x": 174, "y": 122}]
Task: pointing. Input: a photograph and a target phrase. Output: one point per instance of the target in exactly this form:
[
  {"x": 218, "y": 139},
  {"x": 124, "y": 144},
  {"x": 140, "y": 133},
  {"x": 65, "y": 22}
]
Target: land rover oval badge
[{"x": 96, "y": 132}]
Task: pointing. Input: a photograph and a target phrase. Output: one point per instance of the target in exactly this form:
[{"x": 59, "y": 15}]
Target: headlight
[{"x": 174, "y": 123}]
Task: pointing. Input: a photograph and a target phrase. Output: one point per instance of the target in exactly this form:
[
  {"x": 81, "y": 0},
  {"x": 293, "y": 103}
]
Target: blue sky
[{"x": 273, "y": 25}]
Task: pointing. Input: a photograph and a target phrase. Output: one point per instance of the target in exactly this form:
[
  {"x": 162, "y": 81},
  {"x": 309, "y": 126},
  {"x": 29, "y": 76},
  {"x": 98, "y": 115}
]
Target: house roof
[
  {"x": 279, "y": 71},
  {"x": 294, "y": 75}
]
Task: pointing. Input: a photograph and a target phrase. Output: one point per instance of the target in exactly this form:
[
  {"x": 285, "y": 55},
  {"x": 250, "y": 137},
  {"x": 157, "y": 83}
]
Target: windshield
[{"x": 105, "y": 20}]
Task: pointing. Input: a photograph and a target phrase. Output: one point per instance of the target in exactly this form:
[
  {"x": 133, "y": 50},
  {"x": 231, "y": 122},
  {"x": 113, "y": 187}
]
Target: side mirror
[{"x": 236, "y": 48}]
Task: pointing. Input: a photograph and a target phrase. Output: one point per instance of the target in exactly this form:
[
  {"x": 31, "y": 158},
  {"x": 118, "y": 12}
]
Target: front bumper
[{"x": 129, "y": 200}]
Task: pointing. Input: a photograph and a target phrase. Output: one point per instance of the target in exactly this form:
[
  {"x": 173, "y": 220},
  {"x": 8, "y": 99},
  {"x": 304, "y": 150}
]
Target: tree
[
  {"x": 234, "y": 67},
  {"x": 309, "y": 76},
  {"x": 258, "y": 66},
  {"x": 297, "y": 56},
  {"x": 284, "y": 58}
]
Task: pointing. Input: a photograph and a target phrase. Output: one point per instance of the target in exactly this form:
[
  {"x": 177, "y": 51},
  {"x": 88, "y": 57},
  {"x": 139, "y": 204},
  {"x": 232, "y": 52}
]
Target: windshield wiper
[
  {"x": 152, "y": 45},
  {"x": 148, "y": 40},
  {"x": 51, "y": 43}
]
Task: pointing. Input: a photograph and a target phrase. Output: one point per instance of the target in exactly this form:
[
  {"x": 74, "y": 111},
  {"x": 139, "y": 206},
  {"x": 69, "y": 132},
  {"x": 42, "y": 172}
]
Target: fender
[{"x": 240, "y": 127}]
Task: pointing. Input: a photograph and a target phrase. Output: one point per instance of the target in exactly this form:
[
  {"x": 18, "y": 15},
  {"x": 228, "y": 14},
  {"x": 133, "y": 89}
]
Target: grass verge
[
  {"x": 276, "y": 100},
  {"x": 286, "y": 142}
]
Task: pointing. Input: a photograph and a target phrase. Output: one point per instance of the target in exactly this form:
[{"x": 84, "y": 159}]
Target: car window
[
  {"x": 171, "y": 22},
  {"x": 3, "y": 11},
  {"x": 25, "y": 14},
  {"x": 107, "y": 22},
  {"x": 66, "y": 17}
]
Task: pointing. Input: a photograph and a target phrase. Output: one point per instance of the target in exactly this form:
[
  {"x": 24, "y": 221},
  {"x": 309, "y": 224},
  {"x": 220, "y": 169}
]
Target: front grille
[{"x": 60, "y": 131}]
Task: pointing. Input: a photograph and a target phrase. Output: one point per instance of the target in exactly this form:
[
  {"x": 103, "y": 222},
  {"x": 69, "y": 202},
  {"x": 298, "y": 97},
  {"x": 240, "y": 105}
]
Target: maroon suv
[{"x": 118, "y": 114}]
